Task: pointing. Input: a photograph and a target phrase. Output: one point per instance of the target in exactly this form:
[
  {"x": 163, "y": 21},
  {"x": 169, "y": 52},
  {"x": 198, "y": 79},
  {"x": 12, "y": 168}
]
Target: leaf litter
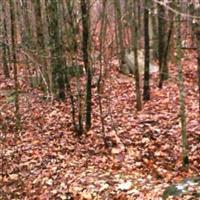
[{"x": 47, "y": 161}]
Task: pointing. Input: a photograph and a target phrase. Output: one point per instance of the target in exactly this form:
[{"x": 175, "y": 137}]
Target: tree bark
[
  {"x": 85, "y": 49},
  {"x": 6, "y": 51},
  {"x": 181, "y": 93},
  {"x": 14, "y": 58},
  {"x": 161, "y": 42},
  {"x": 56, "y": 49},
  {"x": 120, "y": 31},
  {"x": 135, "y": 49},
  {"x": 146, "y": 94},
  {"x": 196, "y": 30}
]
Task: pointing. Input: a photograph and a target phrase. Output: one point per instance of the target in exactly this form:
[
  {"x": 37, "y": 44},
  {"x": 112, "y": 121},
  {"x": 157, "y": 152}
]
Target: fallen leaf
[{"x": 124, "y": 185}]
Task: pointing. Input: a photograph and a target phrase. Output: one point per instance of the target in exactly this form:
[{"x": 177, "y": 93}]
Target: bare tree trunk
[
  {"x": 146, "y": 94},
  {"x": 6, "y": 53},
  {"x": 135, "y": 49},
  {"x": 161, "y": 42},
  {"x": 196, "y": 31},
  {"x": 154, "y": 25},
  {"x": 181, "y": 93},
  {"x": 40, "y": 42},
  {"x": 26, "y": 38},
  {"x": 166, "y": 52},
  {"x": 71, "y": 31},
  {"x": 100, "y": 81},
  {"x": 14, "y": 58},
  {"x": 164, "y": 41},
  {"x": 85, "y": 4},
  {"x": 120, "y": 31},
  {"x": 57, "y": 62},
  {"x": 198, "y": 63}
]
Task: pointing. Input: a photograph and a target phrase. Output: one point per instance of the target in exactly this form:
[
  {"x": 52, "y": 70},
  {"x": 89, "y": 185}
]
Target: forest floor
[{"x": 45, "y": 160}]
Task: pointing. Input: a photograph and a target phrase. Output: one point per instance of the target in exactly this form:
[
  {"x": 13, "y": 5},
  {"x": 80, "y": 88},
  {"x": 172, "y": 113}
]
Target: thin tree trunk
[
  {"x": 196, "y": 31},
  {"x": 6, "y": 51},
  {"x": 198, "y": 64},
  {"x": 166, "y": 52},
  {"x": 181, "y": 94},
  {"x": 99, "y": 83},
  {"x": 5, "y": 54},
  {"x": 146, "y": 94},
  {"x": 85, "y": 49},
  {"x": 161, "y": 42},
  {"x": 154, "y": 24},
  {"x": 139, "y": 19},
  {"x": 164, "y": 74},
  {"x": 72, "y": 31},
  {"x": 39, "y": 31},
  {"x": 26, "y": 36},
  {"x": 120, "y": 31},
  {"x": 14, "y": 58},
  {"x": 40, "y": 41},
  {"x": 135, "y": 49}
]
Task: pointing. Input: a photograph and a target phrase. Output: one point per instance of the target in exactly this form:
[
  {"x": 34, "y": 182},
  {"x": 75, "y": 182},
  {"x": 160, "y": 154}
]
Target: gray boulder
[{"x": 129, "y": 66}]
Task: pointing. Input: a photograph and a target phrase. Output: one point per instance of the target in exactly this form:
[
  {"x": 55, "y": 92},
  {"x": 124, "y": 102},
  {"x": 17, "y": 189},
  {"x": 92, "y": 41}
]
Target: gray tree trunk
[
  {"x": 181, "y": 92},
  {"x": 14, "y": 59}
]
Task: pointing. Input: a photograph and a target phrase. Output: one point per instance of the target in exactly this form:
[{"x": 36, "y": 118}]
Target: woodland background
[{"x": 99, "y": 99}]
